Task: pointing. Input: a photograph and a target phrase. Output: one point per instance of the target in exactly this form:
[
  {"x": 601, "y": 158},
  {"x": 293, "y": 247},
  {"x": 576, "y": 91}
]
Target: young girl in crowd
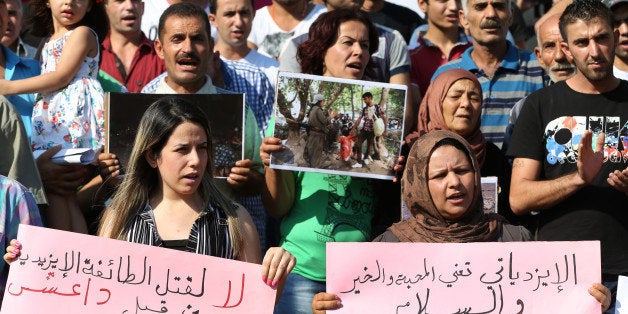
[{"x": 69, "y": 104}]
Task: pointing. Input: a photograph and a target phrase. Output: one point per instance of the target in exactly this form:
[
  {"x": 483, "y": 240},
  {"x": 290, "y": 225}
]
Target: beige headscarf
[
  {"x": 431, "y": 110},
  {"x": 428, "y": 225}
]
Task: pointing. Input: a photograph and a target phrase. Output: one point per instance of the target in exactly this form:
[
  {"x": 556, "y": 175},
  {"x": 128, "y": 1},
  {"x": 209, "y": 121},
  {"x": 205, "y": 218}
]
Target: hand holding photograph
[{"x": 338, "y": 126}]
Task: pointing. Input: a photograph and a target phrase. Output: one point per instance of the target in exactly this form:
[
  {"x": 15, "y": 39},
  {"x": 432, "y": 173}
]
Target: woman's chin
[
  {"x": 454, "y": 214},
  {"x": 353, "y": 74}
]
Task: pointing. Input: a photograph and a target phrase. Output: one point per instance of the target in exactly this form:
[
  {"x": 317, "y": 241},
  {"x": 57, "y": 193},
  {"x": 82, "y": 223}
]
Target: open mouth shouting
[
  {"x": 188, "y": 62},
  {"x": 129, "y": 19}
]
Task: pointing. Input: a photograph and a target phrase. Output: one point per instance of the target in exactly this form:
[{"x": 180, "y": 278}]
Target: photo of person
[
  {"x": 224, "y": 111},
  {"x": 338, "y": 126}
]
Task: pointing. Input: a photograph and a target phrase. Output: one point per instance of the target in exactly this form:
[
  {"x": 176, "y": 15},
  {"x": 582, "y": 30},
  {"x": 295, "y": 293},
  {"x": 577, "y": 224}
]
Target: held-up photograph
[
  {"x": 338, "y": 126},
  {"x": 224, "y": 112}
]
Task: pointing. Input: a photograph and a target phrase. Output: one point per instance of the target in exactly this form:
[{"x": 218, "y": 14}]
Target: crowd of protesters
[{"x": 551, "y": 123}]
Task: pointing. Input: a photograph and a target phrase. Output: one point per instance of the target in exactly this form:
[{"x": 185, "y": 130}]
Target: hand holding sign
[{"x": 484, "y": 277}]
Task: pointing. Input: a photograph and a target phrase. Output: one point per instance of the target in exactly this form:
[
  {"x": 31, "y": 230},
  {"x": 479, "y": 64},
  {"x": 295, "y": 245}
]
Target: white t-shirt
[
  {"x": 622, "y": 75},
  {"x": 269, "y": 38},
  {"x": 267, "y": 64},
  {"x": 150, "y": 20}
]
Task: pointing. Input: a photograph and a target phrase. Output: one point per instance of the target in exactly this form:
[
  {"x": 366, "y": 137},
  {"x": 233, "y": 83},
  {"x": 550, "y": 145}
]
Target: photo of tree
[{"x": 338, "y": 126}]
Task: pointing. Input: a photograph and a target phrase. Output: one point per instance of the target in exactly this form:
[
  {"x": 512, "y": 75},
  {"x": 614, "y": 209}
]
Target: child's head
[
  {"x": 344, "y": 131},
  {"x": 90, "y": 13}
]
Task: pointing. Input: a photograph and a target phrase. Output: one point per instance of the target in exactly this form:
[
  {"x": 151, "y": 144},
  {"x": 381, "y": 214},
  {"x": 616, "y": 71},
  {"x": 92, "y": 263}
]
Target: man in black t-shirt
[{"x": 570, "y": 145}]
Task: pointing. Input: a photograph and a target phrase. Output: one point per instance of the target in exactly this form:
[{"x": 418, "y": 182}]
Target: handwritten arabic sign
[
  {"x": 63, "y": 272},
  {"x": 469, "y": 278}
]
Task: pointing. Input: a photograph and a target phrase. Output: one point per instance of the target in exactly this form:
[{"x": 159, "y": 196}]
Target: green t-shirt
[{"x": 327, "y": 208}]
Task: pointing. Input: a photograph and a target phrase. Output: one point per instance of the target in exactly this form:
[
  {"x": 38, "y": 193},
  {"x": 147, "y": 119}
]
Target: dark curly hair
[
  {"x": 584, "y": 10},
  {"x": 183, "y": 9},
  {"x": 324, "y": 33},
  {"x": 41, "y": 19}
]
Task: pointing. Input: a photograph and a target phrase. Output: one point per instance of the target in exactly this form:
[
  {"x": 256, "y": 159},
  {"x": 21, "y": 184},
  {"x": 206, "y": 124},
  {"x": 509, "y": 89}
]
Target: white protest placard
[
  {"x": 621, "y": 305},
  {"x": 470, "y": 278},
  {"x": 64, "y": 272}
]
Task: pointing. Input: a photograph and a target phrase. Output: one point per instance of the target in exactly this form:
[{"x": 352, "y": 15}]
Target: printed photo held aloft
[
  {"x": 225, "y": 113},
  {"x": 338, "y": 126}
]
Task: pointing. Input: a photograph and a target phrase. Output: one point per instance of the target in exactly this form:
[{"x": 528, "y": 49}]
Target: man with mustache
[
  {"x": 620, "y": 22},
  {"x": 549, "y": 51},
  {"x": 506, "y": 73},
  {"x": 570, "y": 145},
  {"x": 127, "y": 55},
  {"x": 551, "y": 58},
  {"x": 187, "y": 50}
]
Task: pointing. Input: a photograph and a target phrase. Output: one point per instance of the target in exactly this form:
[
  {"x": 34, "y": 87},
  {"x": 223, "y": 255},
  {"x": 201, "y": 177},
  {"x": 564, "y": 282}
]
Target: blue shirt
[
  {"x": 248, "y": 79},
  {"x": 17, "y": 69},
  {"x": 518, "y": 75}
]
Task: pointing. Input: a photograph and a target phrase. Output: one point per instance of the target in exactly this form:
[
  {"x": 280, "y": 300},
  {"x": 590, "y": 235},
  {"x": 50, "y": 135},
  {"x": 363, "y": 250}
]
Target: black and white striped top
[{"x": 209, "y": 234}]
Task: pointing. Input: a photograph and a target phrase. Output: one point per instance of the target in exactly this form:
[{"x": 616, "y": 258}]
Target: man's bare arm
[{"x": 529, "y": 193}]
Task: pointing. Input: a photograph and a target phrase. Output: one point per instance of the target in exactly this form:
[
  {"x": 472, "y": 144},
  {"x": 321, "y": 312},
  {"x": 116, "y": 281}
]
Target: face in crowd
[
  {"x": 620, "y": 23},
  {"x": 4, "y": 17},
  {"x": 442, "y": 13},
  {"x": 462, "y": 107},
  {"x": 182, "y": 161},
  {"x": 451, "y": 181},
  {"x": 487, "y": 20},
  {"x": 186, "y": 49},
  {"x": 233, "y": 20},
  {"x": 14, "y": 22},
  {"x": 125, "y": 16},
  {"x": 550, "y": 53},
  {"x": 349, "y": 55},
  {"x": 591, "y": 45}
]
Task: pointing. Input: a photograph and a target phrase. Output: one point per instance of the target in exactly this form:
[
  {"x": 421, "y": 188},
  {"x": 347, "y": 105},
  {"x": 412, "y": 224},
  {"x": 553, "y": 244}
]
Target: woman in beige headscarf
[
  {"x": 454, "y": 102},
  {"x": 441, "y": 186}
]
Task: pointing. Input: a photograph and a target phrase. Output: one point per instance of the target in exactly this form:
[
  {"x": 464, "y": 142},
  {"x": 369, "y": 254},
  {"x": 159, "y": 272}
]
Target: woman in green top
[{"x": 319, "y": 208}]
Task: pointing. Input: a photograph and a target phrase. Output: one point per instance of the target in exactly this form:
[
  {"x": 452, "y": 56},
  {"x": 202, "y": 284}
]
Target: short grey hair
[{"x": 465, "y": 5}]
